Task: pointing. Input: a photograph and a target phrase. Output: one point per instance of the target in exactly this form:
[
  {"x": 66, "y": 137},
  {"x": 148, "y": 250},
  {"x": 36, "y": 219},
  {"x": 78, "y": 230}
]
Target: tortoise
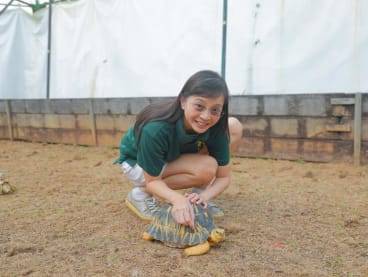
[
  {"x": 5, "y": 186},
  {"x": 195, "y": 242}
]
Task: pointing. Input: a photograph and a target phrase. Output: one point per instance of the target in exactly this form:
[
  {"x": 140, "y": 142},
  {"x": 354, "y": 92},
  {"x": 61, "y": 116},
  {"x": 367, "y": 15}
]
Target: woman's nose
[{"x": 206, "y": 114}]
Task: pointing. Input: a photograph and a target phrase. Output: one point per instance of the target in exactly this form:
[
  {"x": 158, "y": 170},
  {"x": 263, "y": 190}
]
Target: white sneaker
[
  {"x": 145, "y": 209},
  {"x": 214, "y": 209}
]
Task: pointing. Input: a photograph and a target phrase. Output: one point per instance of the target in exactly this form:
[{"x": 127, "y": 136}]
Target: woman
[{"x": 181, "y": 144}]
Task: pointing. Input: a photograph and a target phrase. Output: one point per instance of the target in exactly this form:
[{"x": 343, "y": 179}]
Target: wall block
[{"x": 312, "y": 127}]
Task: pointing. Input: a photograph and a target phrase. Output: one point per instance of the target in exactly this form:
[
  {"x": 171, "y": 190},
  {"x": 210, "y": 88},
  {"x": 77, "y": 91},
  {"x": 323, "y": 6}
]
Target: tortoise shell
[
  {"x": 6, "y": 187},
  {"x": 164, "y": 228}
]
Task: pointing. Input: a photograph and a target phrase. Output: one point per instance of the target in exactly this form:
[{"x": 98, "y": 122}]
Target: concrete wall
[
  {"x": 315, "y": 127},
  {"x": 310, "y": 127}
]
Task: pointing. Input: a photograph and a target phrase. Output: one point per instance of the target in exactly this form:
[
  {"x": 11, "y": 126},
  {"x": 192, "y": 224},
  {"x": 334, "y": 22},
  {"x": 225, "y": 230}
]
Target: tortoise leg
[
  {"x": 198, "y": 249},
  {"x": 147, "y": 236}
]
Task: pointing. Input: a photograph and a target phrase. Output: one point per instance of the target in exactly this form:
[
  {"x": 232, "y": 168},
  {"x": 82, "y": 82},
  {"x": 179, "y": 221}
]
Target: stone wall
[{"x": 315, "y": 127}]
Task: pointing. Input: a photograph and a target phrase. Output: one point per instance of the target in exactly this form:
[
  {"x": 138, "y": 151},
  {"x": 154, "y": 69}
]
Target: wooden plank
[
  {"x": 93, "y": 121},
  {"x": 338, "y": 128},
  {"x": 9, "y": 118},
  {"x": 342, "y": 110},
  {"x": 357, "y": 128},
  {"x": 342, "y": 101}
]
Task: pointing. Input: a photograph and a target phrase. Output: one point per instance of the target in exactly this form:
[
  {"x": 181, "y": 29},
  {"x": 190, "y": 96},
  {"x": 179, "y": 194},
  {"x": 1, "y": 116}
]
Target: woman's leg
[{"x": 190, "y": 170}]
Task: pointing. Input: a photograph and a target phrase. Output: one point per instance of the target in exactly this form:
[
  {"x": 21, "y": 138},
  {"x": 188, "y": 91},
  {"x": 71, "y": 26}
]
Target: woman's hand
[
  {"x": 183, "y": 212},
  {"x": 196, "y": 198}
]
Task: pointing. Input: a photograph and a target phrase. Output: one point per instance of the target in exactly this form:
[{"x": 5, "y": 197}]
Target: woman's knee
[
  {"x": 206, "y": 170},
  {"x": 200, "y": 169},
  {"x": 236, "y": 133}
]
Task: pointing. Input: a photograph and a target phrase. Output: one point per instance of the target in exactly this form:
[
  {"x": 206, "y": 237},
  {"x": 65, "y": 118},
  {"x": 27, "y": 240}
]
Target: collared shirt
[{"x": 162, "y": 142}]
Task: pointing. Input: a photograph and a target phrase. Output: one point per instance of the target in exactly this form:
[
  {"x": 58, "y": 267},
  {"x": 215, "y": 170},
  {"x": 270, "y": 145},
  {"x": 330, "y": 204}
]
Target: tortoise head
[{"x": 217, "y": 235}]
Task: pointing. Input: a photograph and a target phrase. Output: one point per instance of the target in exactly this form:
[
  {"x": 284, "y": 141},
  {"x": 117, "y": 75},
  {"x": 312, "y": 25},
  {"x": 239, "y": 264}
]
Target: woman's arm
[
  {"x": 219, "y": 184},
  {"x": 182, "y": 209}
]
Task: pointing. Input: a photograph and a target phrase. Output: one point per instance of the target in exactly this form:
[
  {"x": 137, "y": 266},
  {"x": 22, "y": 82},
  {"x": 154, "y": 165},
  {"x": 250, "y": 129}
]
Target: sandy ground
[{"x": 282, "y": 218}]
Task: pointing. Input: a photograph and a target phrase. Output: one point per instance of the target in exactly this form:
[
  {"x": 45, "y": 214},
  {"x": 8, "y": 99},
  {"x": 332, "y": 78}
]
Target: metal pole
[
  {"x": 224, "y": 33},
  {"x": 49, "y": 50},
  {"x": 6, "y": 6}
]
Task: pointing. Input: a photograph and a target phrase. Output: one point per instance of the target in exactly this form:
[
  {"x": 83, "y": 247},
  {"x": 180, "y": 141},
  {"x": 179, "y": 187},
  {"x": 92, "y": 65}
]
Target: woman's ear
[{"x": 182, "y": 102}]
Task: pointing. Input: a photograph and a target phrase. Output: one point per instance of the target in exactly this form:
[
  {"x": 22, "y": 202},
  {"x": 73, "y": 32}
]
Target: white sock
[{"x": 138, "y": 194}]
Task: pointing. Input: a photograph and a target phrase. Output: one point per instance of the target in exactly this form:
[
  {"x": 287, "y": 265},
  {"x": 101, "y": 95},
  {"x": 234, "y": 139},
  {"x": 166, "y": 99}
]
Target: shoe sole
[
  {"x": 136, "y": 211},
  {"x": 217, "y": 215}
]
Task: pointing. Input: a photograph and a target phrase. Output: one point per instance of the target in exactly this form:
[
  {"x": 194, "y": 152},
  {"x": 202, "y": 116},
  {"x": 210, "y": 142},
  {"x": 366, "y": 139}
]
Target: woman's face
[{"x": 201, "y": 113}]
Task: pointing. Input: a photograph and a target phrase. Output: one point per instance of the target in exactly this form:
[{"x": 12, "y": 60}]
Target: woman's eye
[
  {"x": 216, "y": 111},
  {"x": 199, "y": 107}
]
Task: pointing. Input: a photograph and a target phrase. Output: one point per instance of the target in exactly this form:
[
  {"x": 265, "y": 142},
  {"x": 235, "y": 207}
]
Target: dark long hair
[{"x": 205, "y": 83}]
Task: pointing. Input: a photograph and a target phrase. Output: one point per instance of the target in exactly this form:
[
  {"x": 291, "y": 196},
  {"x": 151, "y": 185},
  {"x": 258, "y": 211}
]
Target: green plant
[
  {"x": 294, "y": 245},
  {"x": 299, "y": 161},
  {"x": 335, "y": 263}
]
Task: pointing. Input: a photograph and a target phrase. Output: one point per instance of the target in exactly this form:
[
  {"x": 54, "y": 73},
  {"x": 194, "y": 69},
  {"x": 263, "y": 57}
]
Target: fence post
[
  {"x": 92, "y": 121},
  {"x": 357, "y": 127},
  {"x": 9, "y": 117}
]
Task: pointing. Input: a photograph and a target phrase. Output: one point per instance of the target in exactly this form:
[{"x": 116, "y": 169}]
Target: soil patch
[{"x": 282, "y": 218}]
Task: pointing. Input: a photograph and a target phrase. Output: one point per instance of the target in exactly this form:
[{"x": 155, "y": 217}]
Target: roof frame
[{"x": 24, "y": 4}]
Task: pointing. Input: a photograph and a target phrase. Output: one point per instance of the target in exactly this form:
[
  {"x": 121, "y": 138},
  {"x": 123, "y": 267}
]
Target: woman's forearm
[
  {"x": 216, "y": 187},
  {"x": 159, "y": 188}
]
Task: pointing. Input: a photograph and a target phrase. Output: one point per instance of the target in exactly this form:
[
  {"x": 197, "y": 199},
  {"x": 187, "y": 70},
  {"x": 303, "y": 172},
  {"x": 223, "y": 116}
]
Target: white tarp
[
  {"x": 126, "y": 48},
  {"x": 298, "y": 46},
  {"x": 22, "y": 55}
]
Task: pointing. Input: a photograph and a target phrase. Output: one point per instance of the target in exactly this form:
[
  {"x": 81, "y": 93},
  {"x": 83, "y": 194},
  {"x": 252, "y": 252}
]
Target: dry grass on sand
[{"x": 282, "y": 218}]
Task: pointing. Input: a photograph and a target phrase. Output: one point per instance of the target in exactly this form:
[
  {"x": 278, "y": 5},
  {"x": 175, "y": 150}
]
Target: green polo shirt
[{"x": 162, "y": 142}]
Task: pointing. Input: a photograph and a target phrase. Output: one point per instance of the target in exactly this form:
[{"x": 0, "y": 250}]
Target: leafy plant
[{"x": 335, "y": 263}]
